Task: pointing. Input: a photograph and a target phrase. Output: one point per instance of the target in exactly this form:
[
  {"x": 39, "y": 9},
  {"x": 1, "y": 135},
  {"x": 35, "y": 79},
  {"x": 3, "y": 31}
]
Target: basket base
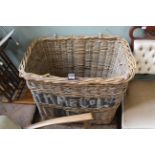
[{"x": 102, "y": 116}]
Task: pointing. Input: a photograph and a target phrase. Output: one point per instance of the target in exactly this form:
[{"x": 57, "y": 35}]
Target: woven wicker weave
[{"x": 103, "y": 66}]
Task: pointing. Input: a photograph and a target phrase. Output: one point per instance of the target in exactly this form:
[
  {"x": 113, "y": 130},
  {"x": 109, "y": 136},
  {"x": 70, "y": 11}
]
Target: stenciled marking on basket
[
  {"x": 104, "y": 103},
  {"x": 75, "y": 102},
  {"x": 51, "y": 99},
  {"x": 41, "y": 97},
  {"x": 37, "y": 97},
  {"x": 84, "y": 103},
  {"x": 61, "y": 100},
  {"x": 72, "y": 102}
]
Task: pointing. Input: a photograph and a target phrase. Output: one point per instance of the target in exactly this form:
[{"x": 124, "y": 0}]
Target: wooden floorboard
[{"x": 25, "y": 99}]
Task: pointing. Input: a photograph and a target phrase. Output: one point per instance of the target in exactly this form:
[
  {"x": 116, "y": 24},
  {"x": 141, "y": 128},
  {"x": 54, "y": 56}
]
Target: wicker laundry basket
[{"x": 102, "y": 65}]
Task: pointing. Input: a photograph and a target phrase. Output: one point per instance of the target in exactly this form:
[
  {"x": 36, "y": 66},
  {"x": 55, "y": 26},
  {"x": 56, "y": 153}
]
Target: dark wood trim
[
  {"x": 10, "y": 82},
  {"x": 147, "y": 33}
]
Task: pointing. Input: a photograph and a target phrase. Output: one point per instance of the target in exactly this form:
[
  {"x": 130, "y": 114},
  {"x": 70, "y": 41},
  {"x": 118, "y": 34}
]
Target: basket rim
[{"x": 89, "y": 80}]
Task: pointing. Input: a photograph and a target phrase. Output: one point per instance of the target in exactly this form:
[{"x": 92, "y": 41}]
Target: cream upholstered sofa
[{"x": 144, "y": 52}]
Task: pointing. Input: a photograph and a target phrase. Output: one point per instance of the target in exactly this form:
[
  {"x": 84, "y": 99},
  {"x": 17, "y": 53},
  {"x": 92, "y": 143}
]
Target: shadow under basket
[{"x": 102, "y": 65}]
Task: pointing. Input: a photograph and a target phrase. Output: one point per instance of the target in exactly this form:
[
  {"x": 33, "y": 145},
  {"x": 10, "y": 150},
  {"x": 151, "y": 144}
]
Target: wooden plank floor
[{"x": 25, "y": 99}]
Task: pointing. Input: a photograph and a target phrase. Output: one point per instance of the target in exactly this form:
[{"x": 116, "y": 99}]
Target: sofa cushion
[{"x": 144, "y": 53}]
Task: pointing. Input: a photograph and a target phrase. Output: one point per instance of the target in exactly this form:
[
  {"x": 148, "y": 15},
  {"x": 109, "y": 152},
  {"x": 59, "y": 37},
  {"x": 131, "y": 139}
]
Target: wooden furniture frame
[
  {"x": 10, "y": 84},
  {"x": 148, "y": 33}
]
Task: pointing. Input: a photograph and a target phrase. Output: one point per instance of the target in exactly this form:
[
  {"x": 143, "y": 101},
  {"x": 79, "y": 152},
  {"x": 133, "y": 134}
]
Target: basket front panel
[{"x": 82, "y": 101}]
